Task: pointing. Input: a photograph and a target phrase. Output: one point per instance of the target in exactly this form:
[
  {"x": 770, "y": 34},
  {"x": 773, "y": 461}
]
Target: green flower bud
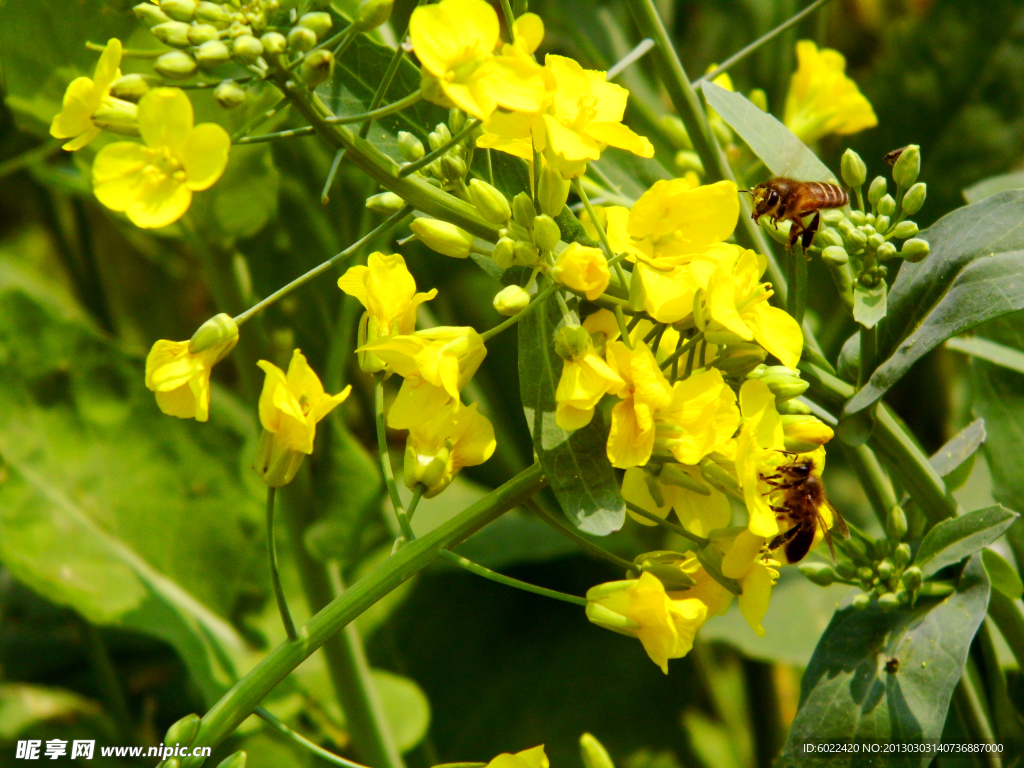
[
  {"x": 593, "y": 753},
  {"x": 172, "y": 33},
  {"x": 133, "y": 87},
  {"x": 443, "y": 237},
  {"x": 673, "y": 474},
  {"x": 175, "y": 65},
  {"x": 438, "y": 137},
  {"x": 301, "y": 39},
  {"x": 491, "y": 203},
  {"x": 913, "y": 578},
  {"x": 846, "y": 570},
  {"x": 901, "y": 555},
  {"x": 179, "y": 10},
  {"x": 688, "y": 160},
  {"x": 785, "y": 386},
  {"x": 229, "y": 94},
  {"x": 212, "y": 13},
  {"x": 835, "y": 254},
  {"x": 453, "y": 167},
  {"x": 220, "y": 332},
  {"x": 856, "y": 240},
  {"x": 523, "y": 210},
  {"x": 527, "y": 255},
  {"x": 237, "y": 29},
  {"x": 886, "y": 207},
  {"x": 882, "y": 223},
  {"x": 317, "y": 68},
  {"x": 318, "y": 21},
  {"x": 387, "y": 203},
  {"x": 913, "y": 200},
  {"x": 236, "y": 760},
  {"x": 818, "y": 573},
  {"x": 860, "y": 602},
  {"x": 867, "y": 227},
  {"x": 429, "y": 470},
  {"x": 885, "y": 569},
  {"x": 372, "y": 13},
  {"x": 183, "y": 732},
  {"x": 504, "y": 252},
  {"x": 545, "y": 233},
  {"x": 915, "y": 249},
  {"x": 121, "y": 117},
  {"x": 511, "y": 300},
  {"x": 907, "y": 167},
  {"x": 202, "y": 33},
  {"x": 886, "y": 251},
  {"x": 456, "y": 119},
  {"x": 857, "y": 218},
  {"x": 875, "y": 240},
  {"x": 827, "y": 238},
  {"x": 740, "y": 359},
  {"x": 150, "y": 15},
  {"x": 888, "y": 601},
  {"x": 853, "y": 169},
  {"x": 410, "y": 147},
  {"x": 673, "y": 577},
  {"x": 274, "y": 43},
  {"x": 877, "y": 190},
  {"x": 552, "y": 191},
  {"x": 245, "y": 49},
  {"x": 212, "y": 54},
  {"x": 905, "y": 229},
  {"x": 793, "y": 408},
  {"x": 902, "y": 596},
  {"x": 896, "y": 523},
  {"x": 573, "y": 342},
  {"x": 368, "y": 331}
]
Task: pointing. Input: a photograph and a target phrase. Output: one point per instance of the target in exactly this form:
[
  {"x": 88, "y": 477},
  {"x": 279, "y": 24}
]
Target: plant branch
[
  {"x": 385, "y": 459},
  {"x": 430, "y": 157},
  {"x": 275, "y": 576},
  {"x": 303, "y": 742},
  {"x": 396, "y": 106},
  {"x": 508, "y": 581},
  {"x": 588, "y": 546},
  {"x": 698, "y": 540}
]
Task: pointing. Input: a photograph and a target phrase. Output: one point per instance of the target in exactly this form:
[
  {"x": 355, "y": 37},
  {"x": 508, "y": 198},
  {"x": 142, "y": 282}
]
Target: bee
[
  {"x": 782, "y": 198},
  {"x": 892, "y": 665},
  {"x": 803, "y": 497},
  {"x": 892, "y": 157}
]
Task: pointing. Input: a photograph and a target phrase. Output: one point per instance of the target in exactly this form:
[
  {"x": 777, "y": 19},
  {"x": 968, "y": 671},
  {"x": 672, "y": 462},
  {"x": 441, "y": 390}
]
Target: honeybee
[
  {"x": 782, "y": 198},
  {"x": 892, "y": 157},
  {"x": 803, "y": 497}
]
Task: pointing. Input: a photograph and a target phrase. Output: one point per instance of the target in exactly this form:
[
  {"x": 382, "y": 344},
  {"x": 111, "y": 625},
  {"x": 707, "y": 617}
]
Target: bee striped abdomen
[{"x": 828, "y": 195}]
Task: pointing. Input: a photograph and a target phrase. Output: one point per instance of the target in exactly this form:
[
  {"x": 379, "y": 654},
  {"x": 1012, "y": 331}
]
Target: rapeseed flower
[
  {"x": 701, "y": 417},
  {"x": 646, "y": 392},
  {"x": 85, "y": 96},
  {"x": 758, "y": 451},
  {"x": 456, "y": 437},
  {"x": 698, "y": 513},
  {"x": 582, "y": 269},
  {"x": 585, "y": 379}
]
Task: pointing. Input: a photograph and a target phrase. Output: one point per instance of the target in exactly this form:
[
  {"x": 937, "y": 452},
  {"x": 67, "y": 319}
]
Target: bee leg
[
  {"x": 807, "y": 236},
  {"x": 794, "y": 233}
]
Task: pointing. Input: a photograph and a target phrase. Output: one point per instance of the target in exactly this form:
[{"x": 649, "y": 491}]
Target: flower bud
[
  {"x": 835, "y": 254},
  {"x": 438, "y": 137},
  {"x": 371, "y": 14},
  {"x": 905, "y": 229},
  {"x": 687, "y": 160},
  {"x": 443, "y": 237},
  {"x": 818, "y": 573},
  {"x": 901, "y": 555},
  {"x": 722, "y": 338},
  {"x": 184, "y": 731},
  {"x": 860, "y": 602},
  {"x": 179, "y": 10},
  {"x": 793, "y": 408},
  {"x": 274, "y": 43},
  {"x": 672, "y": 576},
  {"x": 491, "y": 203},
  {"x": 301, "y": 39},
  {"x": 212, "y": 13},
  {"x": 212, "y": 54},
  {"x": 175, "y": 65},
  {"x": 202, "y": 33},
  {"x": 245, "y": 49},
  {"x": 150, "y": 15},
  {"x": 896, "y": 523},
  {"x": 874, "y": 241},
  {"x": 523, "y": 210},
  {"x": 913, "y": 578},
  {"x": 410, "y": 147},
  {"x": 552, "y": 191},
  {"x": 220, "y": 332},
  {"x": 856, "y": 218},
  {"x": 886, "y": 251},
  {"x": 511, "y": 300},
  {"x": 368, "y": 362},
  {"x": 907, "y": 167},
  {"x": 886, "y": 207},
  {"x": 133, "y": 87},
  {"x": 429, "y": 470},
  {"x": 673, "y": 474},
  {"x": 236, "y": 760},
  {"x": 915, "y": 249},
  {"x": 453, "y": 167},
  {"x": 877, "y": 189},
  {"x": 275, "y": 462},
  {"x": 846, "y": 570},
  {"x": 527, "y": 254},
  {"x": 888, "y": 601},
  {"x": 593, "y": 753},
  {"x": 913, "y": 200},
  {"x": 573, "y": 342},
  {"x": 785, "y": 383},
  {"x": 827, "y": 237},
  {"x": 804, "y": 433},
  {"x": 885, "y": 569},
  {"x": 740, "y": 359},
  {"x": 318, "y": 21},
  {"x": 504, "y": 252},
  {"x": 853, "y": 169},
  {"x": 317, "y": 68},
  {"x": 882, "y": 222},
  {"x": 387, "y": 203},
  {"x": 237, "y": 29},
  {"x": 856, "y": 240},
  {"x": 456, "y": 119},
  {"x": 545, "y": 233},
  {"x": 865, "y": 574},
  {"x": 229, "y": 94},
  {"x": 172, "y": 33},
  {"x": 116, "y": 116}
]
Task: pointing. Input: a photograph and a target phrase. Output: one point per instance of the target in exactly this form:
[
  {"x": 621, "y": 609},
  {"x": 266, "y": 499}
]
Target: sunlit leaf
[{"x": 956, "y": 538}]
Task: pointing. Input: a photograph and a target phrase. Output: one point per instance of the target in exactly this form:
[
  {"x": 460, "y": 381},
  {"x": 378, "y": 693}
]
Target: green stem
[
  {"x": 508, "y": 581},
  {"x": 257, "y": 120},
  {"x": 1008, "y": 618},
  {"x": 796, "y": 295},
  {"x": 275, "y": 576},
  {"x": 588, "y": 546},
  {"x": 108, "y": 684},
  {"x": 414, "y": 502},
  {"x": 395, "y": 106},
  {"x": 211, "y": 84},
  {"x": 624, "y": 329},
  {"x": 972, "y": 710},
  {"x": 303, "y": 742},
  {"x": 325, "y": 196},
  {"x": 868, "y": 354},
  {"x": 490, "y": 333},
  {"x": 243, "y": 698},
  {"x": 606, "y": 246},
  {"x": 392, "y": 220},
  {"x": 698, "y": 540},
  {"x": 506, "y": 9},
  {"x": 430, "y": 157},
  {"x": 385, "y": 458},
  {"x": 265, "y": 137},
  {"x": 680, "y": 351},
  {"x": 876, "y": 483},
  {"x": 29, "y": 157}
]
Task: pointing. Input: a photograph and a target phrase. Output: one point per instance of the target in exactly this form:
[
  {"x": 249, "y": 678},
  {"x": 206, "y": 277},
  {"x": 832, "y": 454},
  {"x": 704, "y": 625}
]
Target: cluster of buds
[{"x": 450, "y": 169}]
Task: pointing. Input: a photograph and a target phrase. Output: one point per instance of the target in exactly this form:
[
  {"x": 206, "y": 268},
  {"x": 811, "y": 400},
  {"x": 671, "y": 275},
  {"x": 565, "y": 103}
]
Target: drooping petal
[
  {"x": 757, "y": 593},
  {"x": 417, "y": 401},
  {"x": 75, "y": 116},
  {"x": 205, "y": 155},
  {"x": 635, "y": 491},
  {"x": 777, "y": 331},
  {"x": 108, "y": 67},
  {"x": 622, "y": 137}
]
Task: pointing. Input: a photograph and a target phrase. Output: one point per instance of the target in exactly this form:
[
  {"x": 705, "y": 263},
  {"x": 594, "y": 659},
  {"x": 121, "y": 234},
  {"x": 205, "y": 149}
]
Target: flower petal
[
  {"x": 205, "y": 155},
  {"x": 165, "y": 119}
]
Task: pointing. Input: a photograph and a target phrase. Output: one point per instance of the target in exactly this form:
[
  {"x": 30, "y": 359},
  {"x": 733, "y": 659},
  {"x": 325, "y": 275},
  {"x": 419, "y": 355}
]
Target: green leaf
[
  {"x": 869, "y": 304},
  {"x": 972, "y": 274},
  {"x": 406, "y": 708},
  {"x": 1003, "y": 576},
  {"x": 846, "y": 692},
  {"x": 958, "y": 450},
  {"x": 777, "y": 146},
  {"x": 576, "y": 463},
  {"x": 956, "y": 538},
  {"x": 245, "y": 198},
  {"x": 994, "y": 185},
  {"x": 991, "y": 351},
  {"x": 24, "y": 706}
]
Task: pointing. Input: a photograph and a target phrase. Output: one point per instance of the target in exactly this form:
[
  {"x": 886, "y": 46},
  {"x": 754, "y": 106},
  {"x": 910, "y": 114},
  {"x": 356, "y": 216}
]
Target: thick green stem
[
  {"x": 275, "y": 576},
  {"x": 508, "y": 581},
  {"x": 868, "y": 354},
  {"x": 243, "y": 698},
  {"x": 303, "y": 742},
  {"x": 506, "y": 10},
  {"x": 876, "y": 483},
  {"x": 796, "y": 282}
]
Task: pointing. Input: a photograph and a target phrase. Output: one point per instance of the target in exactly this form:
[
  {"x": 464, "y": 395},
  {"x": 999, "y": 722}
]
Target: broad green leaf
[
  {"x": 971, "y": 275},
  {"x": 869, "y": 304},
  {"x": 777, "y": 146},
  {"x": 990, "y": 351},
  {"x": 958, "y": 450},
  {"x": 847, "y": 694},
  {"x": 1003, "y": 576},
  {"x": 576, "y": 463},
  {"x": 956, "y": 538},
  {"x": 994, "y": 185},
  {"x": 406, "y": 707}
]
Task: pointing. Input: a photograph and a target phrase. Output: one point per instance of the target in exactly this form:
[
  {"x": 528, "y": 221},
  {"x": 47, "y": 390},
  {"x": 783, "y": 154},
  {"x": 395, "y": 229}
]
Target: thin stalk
[
  {"x": 385, "y": 459},
  {"x": 294, "y": 133},
  {"x": 564, "y": 309},
  {"x": 243, "y": 698},
  {"x": 393, "y": 220},
  {"x": 303, "y": 742},
  {"x": 325, "y": 197},
  {"x": 265, "y": 115},
  {"x": 490, "y": 333},
  {"x": 630, "y": 58},
  {"x": 741, "y": 54},
  {"x": 430, "y": 157},
  {"x": 698, "y": 540},
  {"x": 876, "y": 483},
  {"x": 797, "y": 290},
  {"x": 587, "y": 546},
  {"x": 343, "y": 46},
  {"x": 606, "y": 246},
  {"x": 680, "y": 351},
  {"x": 108, "y": 683},
  {"x": 212, "y": 84},
  {"x": 390, "y": 109},
  {"x": 972, "y": 710},
  {"x": 417, "y": 494},
  {"x": 508, "y": 581},
  {"x": 868, "y": 354},
  {"x": 624, "y": 329},
  {"x": 29, "y": 157},
  {"x": 510, "y": 20},
  {"x": 275, "y": 576}
]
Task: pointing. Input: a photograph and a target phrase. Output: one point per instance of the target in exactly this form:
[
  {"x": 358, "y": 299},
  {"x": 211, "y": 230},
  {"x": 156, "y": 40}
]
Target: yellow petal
[
  {"x": 302, "y": 380},
  {"x": 635, "y": 491},
  {"x": 757, "y": 593},
  {"x": 165, "y": 119},
  {"x": 107, "y": 68},
  {"x": 159, "y": 202},
  {"x": 529, "y": 32},
  {"x": 416, "y": 402},
  {"x": 473, "y": 438},
  {"x": 205, "y": 155},
  {"x": 742, "y": 555},
  {"x": 75, "y": 116},
  {"x": 629, "y": 442},
  {"x": 568, "y": 144},
  {"x": 117, "y": 173},
  {"x": 452, "y": 33},
  {"x": 353, "y": 282},
  {"x": 515, "y": 82},
  {"x": 618, "y": 135},
  {"x": 178, "y": 402},
  {"x": 163, "y": 358},
  {"x": 268, "y": 410},
  {"x": 777, "y": 331}
]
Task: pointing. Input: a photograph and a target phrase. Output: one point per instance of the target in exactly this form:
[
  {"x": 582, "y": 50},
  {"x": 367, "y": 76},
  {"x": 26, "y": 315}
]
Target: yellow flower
[
  {"x": 436, "y": 364},
  {"x": 179, "y": 371},
  {"x": 699, "y": 514},
  {"x": 822, "y": 99},
  {"x": 528, "y": 758},
  {"x": 805, "y": 433},
  {"x": 438, "y": 448},
  {"x": 153, "y": 182},
  {"x": 745, "y": 561},
  {"x": 455, "y": 42},
  {"x": 645, "y": 393},
  {"x": 290, "y": 407},
  {"x": 640, "y": 608},
  {"x": 584, "y": 381},
  {"x": 582, "y": 269},
  {"x": 84, "y": 96},
  {"x": 737, "y": 302},
  {"x": 701, "y": 417},
  {"x": 758, "y": 451}
]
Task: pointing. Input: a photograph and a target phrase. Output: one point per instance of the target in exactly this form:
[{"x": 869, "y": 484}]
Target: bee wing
[{"x": 838, "y": 524}]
